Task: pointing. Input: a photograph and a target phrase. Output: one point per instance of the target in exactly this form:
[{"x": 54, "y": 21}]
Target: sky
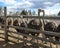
[{"x": 51, "y": 7}]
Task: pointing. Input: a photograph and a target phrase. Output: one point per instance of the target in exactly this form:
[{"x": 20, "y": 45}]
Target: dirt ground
[
  {"x": 19, "y": 45},
  {"x": 3, "y": 44}
]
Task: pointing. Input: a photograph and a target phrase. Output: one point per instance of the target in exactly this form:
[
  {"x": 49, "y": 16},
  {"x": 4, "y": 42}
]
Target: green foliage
[
  {"x": 24, "y": 12},
  {"x": 59, "y": 13}
]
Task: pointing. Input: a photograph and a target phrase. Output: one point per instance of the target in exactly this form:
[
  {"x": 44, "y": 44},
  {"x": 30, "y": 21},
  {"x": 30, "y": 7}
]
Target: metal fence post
[{"x": 6, "y": 33}]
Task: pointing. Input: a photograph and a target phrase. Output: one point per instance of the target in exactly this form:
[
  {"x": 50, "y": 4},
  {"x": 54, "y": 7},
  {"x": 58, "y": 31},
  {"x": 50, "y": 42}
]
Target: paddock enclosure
[{"x": 10, "y": 38}]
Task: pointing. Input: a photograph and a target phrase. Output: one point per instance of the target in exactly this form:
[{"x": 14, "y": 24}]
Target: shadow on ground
[{"x": 19, "y": 45}]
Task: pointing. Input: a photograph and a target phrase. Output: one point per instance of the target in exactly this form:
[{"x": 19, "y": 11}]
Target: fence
[{"x": 7, "y": 33}]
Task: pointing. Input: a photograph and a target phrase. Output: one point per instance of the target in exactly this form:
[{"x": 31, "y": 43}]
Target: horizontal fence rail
[
  {"x": 30, "y": 42},
  {"x": 35, "y": 37},
  {"x": 37, "y": 31},
  {"x": 45, "y": 17}
]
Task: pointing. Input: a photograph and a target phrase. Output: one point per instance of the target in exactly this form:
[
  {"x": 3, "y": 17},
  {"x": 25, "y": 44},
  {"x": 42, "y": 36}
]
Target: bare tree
[{"x": 0, "y": 11}]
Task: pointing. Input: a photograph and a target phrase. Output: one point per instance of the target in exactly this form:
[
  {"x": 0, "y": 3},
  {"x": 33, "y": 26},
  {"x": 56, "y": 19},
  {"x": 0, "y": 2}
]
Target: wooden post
[
  {"x": 6, "y": 33},
  {"x": 43, "y": 18},
  {"x": 39, "y": 13}
]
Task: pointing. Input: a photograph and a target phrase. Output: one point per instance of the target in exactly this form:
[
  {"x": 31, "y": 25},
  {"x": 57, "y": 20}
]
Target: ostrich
[
  {"x": 50, "y": 26},
  {"x": 9, "y": 22},
  {"x": 56, "y": 37},
  {"x": 57, "y": 30},
  {"x": 1, "y": 22},
  {"x": 15, "y": 23},
  {"x": 33, "y": 24},
  {"x": 22, "y": 24}
]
